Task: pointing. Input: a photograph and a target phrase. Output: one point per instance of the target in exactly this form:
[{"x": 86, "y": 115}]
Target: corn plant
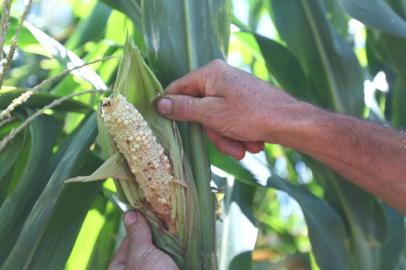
[{"x": 56, "y": 123}]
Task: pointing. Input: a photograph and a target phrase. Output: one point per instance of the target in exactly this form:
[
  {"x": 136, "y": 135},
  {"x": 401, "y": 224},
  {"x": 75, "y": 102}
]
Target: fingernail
[
  {"x": 130, "y": 218},
  {"x": 164, "y": 106}
]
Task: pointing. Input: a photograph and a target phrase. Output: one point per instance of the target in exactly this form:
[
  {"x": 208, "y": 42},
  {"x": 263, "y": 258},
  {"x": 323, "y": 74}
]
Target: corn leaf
[
  {"x": 327, "y": 232},
  {"x": 25, "y": 38},
  {"x": 231, "y": 166},
  {"x": 371, "y": 12},
  {"x": 360, "y": 210},
  {"x": 90, "y": 28},
  {"x": 8, "y": 158},
  {"x": 36, "y": 223},
  {"x": 326, "y": 229},
  {"x": 284, "y": 65},
  {"x": 236, "y": 217},
  {"x": 70, "y": 210},
  {"x": 114, "y": 167},
  {"x": 39, "y": 100},
  {"x": 391, "y": 53},
  {"x": 16, "y": 208},
  {"x": 177, "y": 45},
  {"x": 107, "y": 239},
  {"x": 132, "y": 8},
  {"x": 66, "y": 57},
  {"x": 90, "y": 231},
  {"x": 14, "y": 176},
  {"x": 395, "y": 245},
  {"x": 332, "y": 68},
  {"x": 10, "y": 154}
]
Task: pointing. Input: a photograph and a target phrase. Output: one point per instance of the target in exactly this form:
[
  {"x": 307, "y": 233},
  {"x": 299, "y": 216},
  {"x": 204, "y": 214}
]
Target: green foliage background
[{"x": 308, "y": 216}]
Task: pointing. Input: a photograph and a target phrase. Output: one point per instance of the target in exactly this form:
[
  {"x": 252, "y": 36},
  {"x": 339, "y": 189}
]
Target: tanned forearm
[{"x": 368, "y": 154}]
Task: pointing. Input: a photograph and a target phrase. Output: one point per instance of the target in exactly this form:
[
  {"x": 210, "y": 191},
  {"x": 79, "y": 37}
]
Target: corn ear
[
  {"x": 145, "y": 157},
  {"x": 155, "y": 177}
]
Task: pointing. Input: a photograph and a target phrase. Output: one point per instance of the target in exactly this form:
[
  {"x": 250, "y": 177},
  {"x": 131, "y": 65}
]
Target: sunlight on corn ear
[{"x": 144, "y": 155}]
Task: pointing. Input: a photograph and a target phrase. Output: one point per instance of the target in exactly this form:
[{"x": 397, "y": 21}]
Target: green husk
[{"x": 139, "y": 85}]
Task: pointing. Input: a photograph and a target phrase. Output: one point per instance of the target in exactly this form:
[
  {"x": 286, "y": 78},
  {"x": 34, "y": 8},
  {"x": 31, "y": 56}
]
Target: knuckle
[
  {"x": 221, "y": 147},
  {"x": 217, "y": 63},
  {"x": 186, "y": 107}
]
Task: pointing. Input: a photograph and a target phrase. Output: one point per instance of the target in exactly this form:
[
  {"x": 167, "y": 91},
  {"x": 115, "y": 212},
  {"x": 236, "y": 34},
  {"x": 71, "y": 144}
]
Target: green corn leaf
[
  {"x": 231, "y": 166},
  {"x": 36, "y": 223},
  {"x": 9, "y": 158},
  {"x": 360, "y": 210},
  {"x": 114, "y": 167},
  {"x": 234, "y": 253},
  {"x": 107, "y": 240},
  {"x": 326, "y": 229},
  {"x": 132, "y": 8},
  {"x": 396, "y": 243},
  {"x": 75, "y": 200},
  {"x": 332, "y": 68},
  {"x": 39, "y": 100},
  {"x": 90, "y": 28},
  {"x": 90, "y": 231},
  {"x": 377, "y": 14},
  {"x": 25, "y": 38},
  {"x": 285, "y": 67},
  {"x": 176, "y": 45},
  {"x": 11, "y": 180},
  {"x": 391, "y": 53},
  {"x": 10, "y": 154},
  {"x": 66, "y": 57},
  {"x": 16, "y": 207}
]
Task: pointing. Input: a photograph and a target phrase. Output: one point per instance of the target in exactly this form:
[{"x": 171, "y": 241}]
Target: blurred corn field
[{"x": 275, "y": 210}]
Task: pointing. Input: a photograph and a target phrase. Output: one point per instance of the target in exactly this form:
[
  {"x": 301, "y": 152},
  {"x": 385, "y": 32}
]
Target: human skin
[
  {"x": 136, "y": 251},
  {"x": 240, "y": 112}
]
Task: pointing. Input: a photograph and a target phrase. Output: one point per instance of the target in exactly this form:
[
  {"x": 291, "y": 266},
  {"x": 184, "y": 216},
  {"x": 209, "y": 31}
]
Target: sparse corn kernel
[{"x": 144, "y": 155}]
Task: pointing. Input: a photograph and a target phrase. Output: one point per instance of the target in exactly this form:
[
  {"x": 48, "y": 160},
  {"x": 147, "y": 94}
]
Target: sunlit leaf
[
  {"x": 70, "y": 210},
  {"x": 90, "y": 28},
  {"x": 371, "y": 12},
  {"x": 114, "y": 167},
  {"x": 66, "y": 57}
]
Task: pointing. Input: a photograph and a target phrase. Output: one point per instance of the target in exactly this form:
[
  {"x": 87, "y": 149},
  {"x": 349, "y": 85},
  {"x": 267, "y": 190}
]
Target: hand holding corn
[
  {"x": 232, "y": 105},
  {"x": 137, "y": 251},
  {"x": 240, "y": 112}
]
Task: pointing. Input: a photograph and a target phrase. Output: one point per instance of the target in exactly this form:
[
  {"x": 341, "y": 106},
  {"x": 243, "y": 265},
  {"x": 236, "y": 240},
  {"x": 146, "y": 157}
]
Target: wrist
[{"x": 296, "y": 127}]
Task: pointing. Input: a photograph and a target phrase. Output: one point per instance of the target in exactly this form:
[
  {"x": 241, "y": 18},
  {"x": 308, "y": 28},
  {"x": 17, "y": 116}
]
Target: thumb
[
  {"x": 182, "y": 108},
  {"x": 142, "y": 254},
  {"x": 138, "y": 231}
]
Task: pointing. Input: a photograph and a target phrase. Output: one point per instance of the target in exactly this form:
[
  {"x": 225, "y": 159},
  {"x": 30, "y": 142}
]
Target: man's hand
[
  {"x": 237, "y": 110},
  {"x": 137, "y": 251},
  {"x": 240, "y": 112}
]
